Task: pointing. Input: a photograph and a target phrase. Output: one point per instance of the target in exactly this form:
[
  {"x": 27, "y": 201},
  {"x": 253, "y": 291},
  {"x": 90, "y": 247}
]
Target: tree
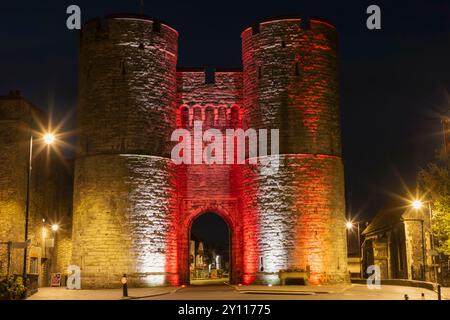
[{"x": 434, "y": 179}]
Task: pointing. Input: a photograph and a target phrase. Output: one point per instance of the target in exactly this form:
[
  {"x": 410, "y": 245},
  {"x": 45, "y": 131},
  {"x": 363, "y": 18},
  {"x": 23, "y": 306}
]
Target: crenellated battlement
[
  {"x": 134, "y": 30},
  {"x": 303, "y": 24},
  {"x": 127, "y": 85}
]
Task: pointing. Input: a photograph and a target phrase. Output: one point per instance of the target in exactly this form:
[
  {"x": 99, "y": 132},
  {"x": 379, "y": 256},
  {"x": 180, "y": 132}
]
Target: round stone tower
[
  {"x": 124, "y": 191},
  {"x": 294, "y": 211}
]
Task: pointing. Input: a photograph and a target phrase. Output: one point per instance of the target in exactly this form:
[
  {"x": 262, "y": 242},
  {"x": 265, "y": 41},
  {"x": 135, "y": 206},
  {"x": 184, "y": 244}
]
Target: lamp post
[
  {"x": 27, "y": 215},
  {"x": 48, "y": 139},
  {"x": 433, "y": 257},
  {"x": 349, "y": 225}
]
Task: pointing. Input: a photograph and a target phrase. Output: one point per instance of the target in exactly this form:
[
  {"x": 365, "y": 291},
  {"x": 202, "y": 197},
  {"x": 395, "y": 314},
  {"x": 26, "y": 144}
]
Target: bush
[{"x": 11, "y": 287}]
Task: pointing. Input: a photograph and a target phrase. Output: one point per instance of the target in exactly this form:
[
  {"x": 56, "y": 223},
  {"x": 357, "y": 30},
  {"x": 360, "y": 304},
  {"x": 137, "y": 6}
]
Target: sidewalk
[
  {"x": 104, "y": 294},
  {"x": 445, "y": 291},
  {"x": 300, "y": 290}
]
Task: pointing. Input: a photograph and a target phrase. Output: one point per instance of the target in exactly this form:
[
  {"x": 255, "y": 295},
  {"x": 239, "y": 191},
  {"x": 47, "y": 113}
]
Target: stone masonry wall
[
  {"x": 297, "y": 210},
  {"x": 62, "y": 213},
  {"x": 123, "y": 220},
  {"x": 209, "y": 188},
  {"x": 12, "y": 178},
  {"x": 17, "y": 116}
]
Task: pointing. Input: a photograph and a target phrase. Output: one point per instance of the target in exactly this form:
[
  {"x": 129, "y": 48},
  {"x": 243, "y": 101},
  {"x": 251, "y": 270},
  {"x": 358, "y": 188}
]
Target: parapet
[
  {"x": 120, "y": 27},
  {"x": 304, "y": 23},
  {"x": 202, "y": 75},
  {"x": 15, "y": 107}
]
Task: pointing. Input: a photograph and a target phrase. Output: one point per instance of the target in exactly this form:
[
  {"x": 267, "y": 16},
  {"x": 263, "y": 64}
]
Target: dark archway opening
[{"x": 209, "y": 250}]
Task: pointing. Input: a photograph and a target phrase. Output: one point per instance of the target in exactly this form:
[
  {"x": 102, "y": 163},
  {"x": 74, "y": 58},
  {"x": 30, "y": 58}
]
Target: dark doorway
[{"x": 209, "y": 250}]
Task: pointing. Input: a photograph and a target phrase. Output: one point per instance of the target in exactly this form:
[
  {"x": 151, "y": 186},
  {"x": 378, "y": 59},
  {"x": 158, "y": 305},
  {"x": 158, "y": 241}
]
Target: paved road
[
  {"x": 223, "y": 292},
  {"x": 356, "y": 292}
]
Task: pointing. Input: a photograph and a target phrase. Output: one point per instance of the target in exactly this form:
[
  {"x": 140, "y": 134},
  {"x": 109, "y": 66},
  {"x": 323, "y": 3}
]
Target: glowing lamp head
[
  {"x": 49, "y": 138},
  {"x": 55, "y": 227},
  {"x": 349, "y": 225},
  {"x": 417, "y": 204}
]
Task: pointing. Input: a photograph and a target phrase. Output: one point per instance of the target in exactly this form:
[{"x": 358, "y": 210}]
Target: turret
[
  {"x": 290, "y": 83},
  {"x": 124, "y": 189},
  {"x": 127, "y": 86},
  {"x": 294, "y": 215}
]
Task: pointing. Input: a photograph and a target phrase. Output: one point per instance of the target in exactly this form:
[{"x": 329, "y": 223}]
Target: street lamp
[
  {"x": 349, "y": 225},
  {"x": 417, "y": 204},
  {"x": 55, "y": 227},
  {"x": 48, "y": 139}
]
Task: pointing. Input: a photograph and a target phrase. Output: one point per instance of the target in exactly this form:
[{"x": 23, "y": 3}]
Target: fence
[{"x": 444, "y": 276}]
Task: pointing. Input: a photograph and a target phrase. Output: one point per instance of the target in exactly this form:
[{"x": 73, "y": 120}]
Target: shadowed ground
[{"x": 224, "y": 292}]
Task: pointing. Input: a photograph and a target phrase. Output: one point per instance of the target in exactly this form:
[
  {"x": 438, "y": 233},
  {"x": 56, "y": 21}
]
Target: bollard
[
  {"x": 423, "y": 296},
  {"x": 125, "y": 285},
  {"x": 406, "y": 297},
  {"x": 439, "y": 292}
]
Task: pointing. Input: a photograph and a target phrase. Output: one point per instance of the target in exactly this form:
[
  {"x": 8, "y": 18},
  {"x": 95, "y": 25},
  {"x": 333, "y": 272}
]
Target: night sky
[
  {"x": 215, "y": 226},
  {"x": 394, "y": 81}
]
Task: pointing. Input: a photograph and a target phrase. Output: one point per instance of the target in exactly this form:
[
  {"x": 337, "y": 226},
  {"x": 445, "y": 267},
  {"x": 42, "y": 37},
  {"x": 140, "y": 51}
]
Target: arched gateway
[
  {"x": 235, "y": 243},
  {"x": 209, "y": 249}
]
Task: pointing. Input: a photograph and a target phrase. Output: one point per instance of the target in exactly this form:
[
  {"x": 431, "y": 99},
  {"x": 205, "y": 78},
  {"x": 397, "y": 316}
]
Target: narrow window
[
  {"x": 209, "y": 117},
  {"x": 297, "y": 69},
  {"x": 34, "y": 266},
  {"x": 234, "y": 116},
  {"x": 222, "y": 117},
  {"x": 259, "y": 72},
  {"x": 198, "y": 114},
  {"x": 399, "y": 255},
  {"x": 184, "y": 117},
  {"x": 123, "y": 67},
  {"x": 283, "y": 44}
]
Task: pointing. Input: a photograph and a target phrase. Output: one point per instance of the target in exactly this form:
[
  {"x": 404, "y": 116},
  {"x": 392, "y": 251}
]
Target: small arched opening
[{"x": 209, "y": 249}]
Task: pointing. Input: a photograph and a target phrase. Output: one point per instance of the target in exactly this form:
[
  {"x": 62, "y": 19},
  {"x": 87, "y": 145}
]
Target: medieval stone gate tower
[{"x": 133, "y": 207}]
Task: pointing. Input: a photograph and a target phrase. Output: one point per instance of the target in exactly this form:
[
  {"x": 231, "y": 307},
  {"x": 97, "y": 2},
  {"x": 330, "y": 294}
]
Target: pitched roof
[{"x": 385, "y": 219}]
